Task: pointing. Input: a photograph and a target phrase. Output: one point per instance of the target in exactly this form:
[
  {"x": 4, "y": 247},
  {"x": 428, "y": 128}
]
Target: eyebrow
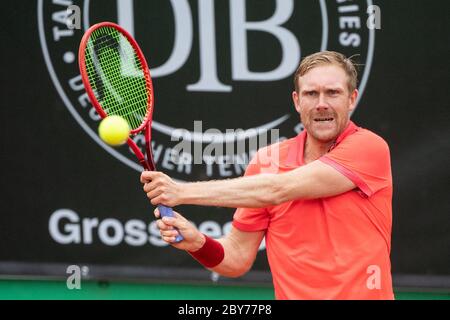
[{"x": 310, "y": 89}]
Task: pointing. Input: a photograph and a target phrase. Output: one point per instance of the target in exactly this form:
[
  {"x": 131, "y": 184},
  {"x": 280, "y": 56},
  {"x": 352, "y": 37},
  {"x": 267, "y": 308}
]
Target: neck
[{"x": 314, "y": 149}]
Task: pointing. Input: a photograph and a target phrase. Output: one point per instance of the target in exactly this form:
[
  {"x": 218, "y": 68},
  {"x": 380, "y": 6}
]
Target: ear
[
  {"x": 296, "y": 100},
  {"x": 353, "y": 98}
]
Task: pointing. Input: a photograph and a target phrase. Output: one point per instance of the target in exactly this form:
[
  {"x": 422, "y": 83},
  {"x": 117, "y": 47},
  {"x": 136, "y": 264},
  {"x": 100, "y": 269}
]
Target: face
[{"x": 324, "y": 102}]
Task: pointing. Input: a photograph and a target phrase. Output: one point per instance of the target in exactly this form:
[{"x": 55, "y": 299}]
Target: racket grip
[{"x": 168, "y": 212}]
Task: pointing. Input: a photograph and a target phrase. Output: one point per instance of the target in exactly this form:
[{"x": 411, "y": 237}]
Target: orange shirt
[{"x": 336, "y": 247}]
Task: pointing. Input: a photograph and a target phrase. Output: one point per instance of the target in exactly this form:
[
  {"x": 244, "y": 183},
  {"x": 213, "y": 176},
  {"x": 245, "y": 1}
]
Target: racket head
[{"x": 116, "y": 75}]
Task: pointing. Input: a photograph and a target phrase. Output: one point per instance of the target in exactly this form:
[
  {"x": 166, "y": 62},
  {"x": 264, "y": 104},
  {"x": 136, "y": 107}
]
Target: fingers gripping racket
[{"x": 117, "y": 80}]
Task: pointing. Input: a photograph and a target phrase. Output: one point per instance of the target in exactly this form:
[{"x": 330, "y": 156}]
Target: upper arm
[
  {"x": 240, "y": 249},
  {"x": 360, "y": 161},
  {"x": 315, "y": 180}
]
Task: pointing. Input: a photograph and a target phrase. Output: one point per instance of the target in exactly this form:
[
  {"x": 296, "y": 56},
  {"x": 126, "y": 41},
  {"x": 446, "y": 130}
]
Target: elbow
[
  {"x": 266, "y": 200},
  {"x": 272, "y": 194},
  {"x": 244, "y": 270},
  {"x": 283, "y": 190},
  {"x": 276, "y": 195},
  {"x": 236, "y": 273}
]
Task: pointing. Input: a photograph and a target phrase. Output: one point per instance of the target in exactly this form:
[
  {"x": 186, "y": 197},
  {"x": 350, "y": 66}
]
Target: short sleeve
[
  {"x": 251, "y": 219},
  {"x": 364, "y": 158}
]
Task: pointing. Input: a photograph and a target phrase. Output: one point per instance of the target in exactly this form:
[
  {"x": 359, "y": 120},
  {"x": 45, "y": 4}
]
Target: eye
[
  {"x": 333, "y": 92},
  {"x": 311, "y": 93}
]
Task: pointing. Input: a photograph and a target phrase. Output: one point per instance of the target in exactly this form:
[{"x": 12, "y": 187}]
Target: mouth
[{"x": 323, "y": 119}]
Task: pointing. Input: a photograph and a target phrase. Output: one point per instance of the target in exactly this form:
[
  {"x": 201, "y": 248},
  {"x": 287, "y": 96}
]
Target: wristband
[{"x": 211, "y": 254}]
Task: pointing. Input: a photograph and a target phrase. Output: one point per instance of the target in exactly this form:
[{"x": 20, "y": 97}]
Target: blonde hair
[{"x": 328, "y": 57}]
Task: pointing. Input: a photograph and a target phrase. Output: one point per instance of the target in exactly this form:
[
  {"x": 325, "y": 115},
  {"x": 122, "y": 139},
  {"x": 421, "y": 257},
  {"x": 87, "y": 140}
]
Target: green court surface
[{"x": 45, "y": 289}]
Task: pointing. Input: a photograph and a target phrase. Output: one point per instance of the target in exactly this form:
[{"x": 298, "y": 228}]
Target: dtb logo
[
  {"x": 239, "y": 26},
  {"x": 226, "y": 63}
]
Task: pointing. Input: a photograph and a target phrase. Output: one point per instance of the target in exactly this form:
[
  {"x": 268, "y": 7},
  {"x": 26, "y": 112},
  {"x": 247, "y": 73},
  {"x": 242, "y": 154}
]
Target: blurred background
[{"x": 72, "y": 206}]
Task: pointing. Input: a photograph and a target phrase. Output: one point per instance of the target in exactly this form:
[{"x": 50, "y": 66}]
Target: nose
[{"x": 322, "y": 103}]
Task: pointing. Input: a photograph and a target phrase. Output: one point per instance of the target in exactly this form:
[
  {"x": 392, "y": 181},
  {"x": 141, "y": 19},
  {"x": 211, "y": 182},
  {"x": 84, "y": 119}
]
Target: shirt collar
[{"x": 296, "y": 149}]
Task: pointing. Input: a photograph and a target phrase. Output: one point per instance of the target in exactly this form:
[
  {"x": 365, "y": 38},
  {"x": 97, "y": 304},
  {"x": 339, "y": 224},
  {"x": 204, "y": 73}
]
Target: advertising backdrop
[{"x": 69, "y": 199}]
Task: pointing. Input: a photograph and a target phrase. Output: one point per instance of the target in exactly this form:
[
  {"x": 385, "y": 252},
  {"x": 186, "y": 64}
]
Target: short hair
[{"x": 328, "y": 57}]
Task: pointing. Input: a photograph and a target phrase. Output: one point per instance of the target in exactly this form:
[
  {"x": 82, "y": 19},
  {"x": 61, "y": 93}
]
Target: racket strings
[
  {"x": 134, "y": 99},
  {"x": 130, "y": 96},
  {"x": 116, "y": 76},
  {"x": 130, "y": 103}
]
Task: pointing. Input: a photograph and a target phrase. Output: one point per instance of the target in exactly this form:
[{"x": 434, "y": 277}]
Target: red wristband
[{"x": 211, "y": 254}]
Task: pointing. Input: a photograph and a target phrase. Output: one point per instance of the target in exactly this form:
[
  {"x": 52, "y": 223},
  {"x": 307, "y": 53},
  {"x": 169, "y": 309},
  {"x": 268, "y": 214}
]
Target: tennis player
[{"x": 322, "y": 200}]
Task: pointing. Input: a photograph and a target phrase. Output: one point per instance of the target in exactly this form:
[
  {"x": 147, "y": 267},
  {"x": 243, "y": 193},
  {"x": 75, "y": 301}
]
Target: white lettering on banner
[
  {"x": 346, "y": 23},
  {"x": 61, "y": 18},
  {"x": 209, "y": 80},
  {"x": 211, "y": 228},
  {"x": 66, "y": 227},
  {"x": 125, "y": 15},
  {"x": 117, "y": 234},
  {"x": 71, "y": 230},
  {"x": 183, "y": 33},
  {"x": 76, "y": 85},
  {"x": 350, "y": 22},
  {"x": 227, "y": 165},
  {"x": 155, "y": 237},
  {"x": 135, "y": 233},
  {"x": 88, "y": 226},
  {"x": 289, "y": 43}
]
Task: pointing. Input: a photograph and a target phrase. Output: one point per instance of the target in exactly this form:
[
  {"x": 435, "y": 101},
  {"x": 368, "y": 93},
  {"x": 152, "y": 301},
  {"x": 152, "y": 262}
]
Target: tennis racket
[{"x": 117, "y": 80}]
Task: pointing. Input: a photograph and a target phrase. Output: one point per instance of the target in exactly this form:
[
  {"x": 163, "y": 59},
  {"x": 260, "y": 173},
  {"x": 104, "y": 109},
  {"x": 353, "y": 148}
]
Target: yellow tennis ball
[{"x": 114, "y": 130}]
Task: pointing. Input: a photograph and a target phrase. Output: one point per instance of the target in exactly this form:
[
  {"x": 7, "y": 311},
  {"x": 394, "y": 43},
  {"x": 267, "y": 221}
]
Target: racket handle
[{"x": 168, "y": 212}]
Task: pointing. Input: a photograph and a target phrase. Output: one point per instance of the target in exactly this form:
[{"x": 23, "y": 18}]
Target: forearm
[
  {"x": 246, "y": 192},
  {"x": 235, "y": 262},
  {"x": 231, "y": 256}
]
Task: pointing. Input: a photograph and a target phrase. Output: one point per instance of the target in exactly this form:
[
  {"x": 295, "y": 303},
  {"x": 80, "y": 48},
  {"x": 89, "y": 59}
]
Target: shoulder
[
  {"x": 361, "y": 148},
  {"x": 366, "y": 139}
]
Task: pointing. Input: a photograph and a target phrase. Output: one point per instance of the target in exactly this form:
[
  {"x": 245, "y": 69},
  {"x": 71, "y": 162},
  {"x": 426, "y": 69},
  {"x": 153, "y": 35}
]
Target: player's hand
[
  {"x": 193, "y": 239},
  {"x": 161, "y": 189}
]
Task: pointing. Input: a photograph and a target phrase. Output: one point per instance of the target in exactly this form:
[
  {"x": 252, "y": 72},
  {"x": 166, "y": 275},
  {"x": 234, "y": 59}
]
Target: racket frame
[
  {"x": 145, "y": 69},
  {"x": 145, "y": 127}
]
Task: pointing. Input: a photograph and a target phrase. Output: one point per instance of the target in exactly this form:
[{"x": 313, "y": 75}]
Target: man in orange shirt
[{"x": 322, "y": 199}]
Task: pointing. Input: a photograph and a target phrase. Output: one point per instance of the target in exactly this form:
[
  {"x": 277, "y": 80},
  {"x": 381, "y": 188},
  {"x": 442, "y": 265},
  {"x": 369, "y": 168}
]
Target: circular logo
[{"x": 217, "y": 66}]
